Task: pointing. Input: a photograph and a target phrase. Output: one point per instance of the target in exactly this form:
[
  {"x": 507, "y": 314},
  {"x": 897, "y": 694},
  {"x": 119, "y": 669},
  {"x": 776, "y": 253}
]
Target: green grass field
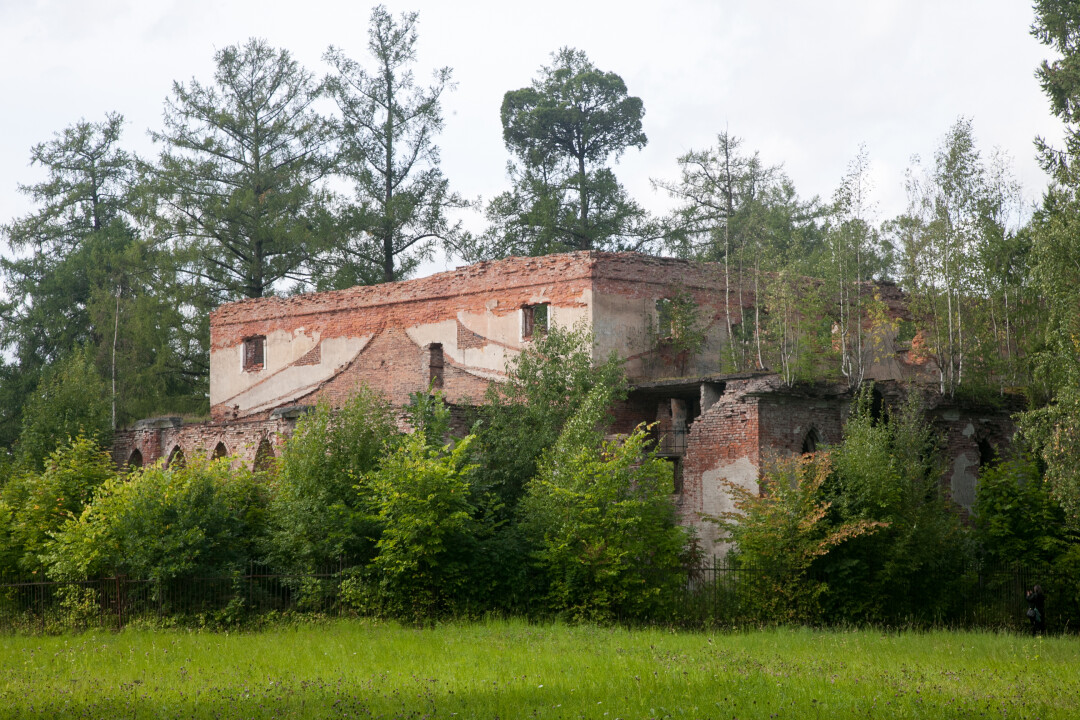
[{"x": 511, "y": 669}]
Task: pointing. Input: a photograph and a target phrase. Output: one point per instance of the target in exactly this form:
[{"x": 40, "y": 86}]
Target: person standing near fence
[{"x": 1036, "y": 611}]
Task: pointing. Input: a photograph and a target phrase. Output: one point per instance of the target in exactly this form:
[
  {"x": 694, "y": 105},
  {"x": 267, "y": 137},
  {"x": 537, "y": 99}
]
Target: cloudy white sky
[{"x": 802, "y": 82}]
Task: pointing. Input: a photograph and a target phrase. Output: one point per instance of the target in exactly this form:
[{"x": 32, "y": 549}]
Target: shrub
[
  {"x": 422, "y": 497},
  {"x": 546, "y": 384},
  {"x": 890, "y": 471},
  {"x": 200, "y": 519},
  {"x": 779, "y": 535},
  {"x": 70, "y": 400},
  {"x": 600, "y": 518},
  {"x": 36, "y": 504},
  {"x": 1017, "y": 519},
  {"x": 316, "y": 516}
]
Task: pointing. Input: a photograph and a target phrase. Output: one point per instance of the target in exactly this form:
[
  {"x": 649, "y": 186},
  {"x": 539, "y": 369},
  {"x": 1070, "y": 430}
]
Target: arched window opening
[
  {"x": 877, "y": 406},
  {"x": 264, "y": 457},
  {"x": 810, "y": 441},
  {"x": 135, "y": 461},
  {"x": 987, "y": 453},
  {"x": 220, "y": 451},
  {"x": 176, "y": 458}
]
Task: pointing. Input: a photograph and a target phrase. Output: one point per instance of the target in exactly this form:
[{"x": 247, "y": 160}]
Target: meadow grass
[{"x": 514, "y": 669}]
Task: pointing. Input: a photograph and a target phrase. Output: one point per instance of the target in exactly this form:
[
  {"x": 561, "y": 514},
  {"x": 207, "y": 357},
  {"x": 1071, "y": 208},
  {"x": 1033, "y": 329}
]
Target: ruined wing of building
[{"x": 272, "y": 358}]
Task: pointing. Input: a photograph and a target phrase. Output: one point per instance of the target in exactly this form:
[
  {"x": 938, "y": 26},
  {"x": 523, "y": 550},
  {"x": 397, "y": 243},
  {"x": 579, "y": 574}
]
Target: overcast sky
[{"x": 802, "y": 82}]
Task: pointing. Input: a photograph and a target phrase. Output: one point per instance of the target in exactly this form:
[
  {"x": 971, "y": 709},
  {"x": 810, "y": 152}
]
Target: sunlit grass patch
[{"x": 514, "y": 669}]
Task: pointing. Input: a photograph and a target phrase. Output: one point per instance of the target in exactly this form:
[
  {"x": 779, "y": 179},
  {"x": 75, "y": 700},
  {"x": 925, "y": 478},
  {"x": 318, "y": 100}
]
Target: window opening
[
  {"x": 534, "y": 320},
  {"x": 254, "y": 352},
  {"x": 810, "y": 442},
  {"x": 877, "y": 407},
  {"x": 176, "y": 458},
  {"x": 676, "y": 475},
  {"x": 436, "y": 366},
  {"x": 264, "y": 457},
  {"x": 664, "y": 318},
  {"x": 220, "y": 451},
  {"x": 987, "y": 453},
  {"x": 135, "y": 461}
]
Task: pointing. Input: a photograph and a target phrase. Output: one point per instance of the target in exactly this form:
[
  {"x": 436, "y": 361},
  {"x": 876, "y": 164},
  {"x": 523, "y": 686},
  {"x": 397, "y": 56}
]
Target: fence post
[{"x": 119, "y": 606}]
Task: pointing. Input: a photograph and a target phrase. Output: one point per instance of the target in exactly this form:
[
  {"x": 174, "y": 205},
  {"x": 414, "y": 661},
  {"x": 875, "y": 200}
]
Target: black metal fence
[
  {"x": 710, "y": 595},
  {"x": 979, "y": 596},
  {"x": 39, "y": 605}
]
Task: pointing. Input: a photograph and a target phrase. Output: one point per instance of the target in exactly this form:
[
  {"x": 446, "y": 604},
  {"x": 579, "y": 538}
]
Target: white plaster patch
[
  {"x": 969, "y": 430},
  {"x": 283, "y": 348},
  {"x": 294, "y": 381},
  {"x": 962, "y": 481},
  {"x": 444, "y": 332},
  {"x": 716, "y": 500}
]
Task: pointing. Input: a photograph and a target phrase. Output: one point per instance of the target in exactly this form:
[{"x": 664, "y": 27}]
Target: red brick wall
[{"x": 241, "y": 438}]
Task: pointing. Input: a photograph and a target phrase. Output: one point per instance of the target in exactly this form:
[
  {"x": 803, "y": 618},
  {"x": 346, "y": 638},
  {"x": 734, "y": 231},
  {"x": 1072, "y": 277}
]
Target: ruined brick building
[{"x": 271, "y": 358}]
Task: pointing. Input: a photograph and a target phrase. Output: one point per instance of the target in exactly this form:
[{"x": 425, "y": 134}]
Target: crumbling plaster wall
[
  {"x": 973, "y": 437},
  {"x": 626, "y": 287},
  {"x": 159, "y": 438},
  {"x": 324, "y": 344}
]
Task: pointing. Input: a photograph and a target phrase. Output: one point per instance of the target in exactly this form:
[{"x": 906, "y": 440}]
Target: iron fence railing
[
  {"x": 40, "y": 605},
  {"x": 976, "y": 596},
  {"x": 711, "y": 594}
]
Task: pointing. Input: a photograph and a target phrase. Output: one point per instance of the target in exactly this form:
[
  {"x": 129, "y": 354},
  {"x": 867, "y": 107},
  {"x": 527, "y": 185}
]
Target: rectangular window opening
[
  {"x": 534, "y": 320},
  {"x": 676, "y": 475},
  {"x": 254, "y": 352},
  {"x": 436, "y": 366},
  {"x": 664, "y": 319}
]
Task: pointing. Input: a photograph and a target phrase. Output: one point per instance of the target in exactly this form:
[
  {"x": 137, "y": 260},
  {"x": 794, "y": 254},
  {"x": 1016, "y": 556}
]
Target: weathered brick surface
[
  {"x": 366, "y": 310},
  {"x": 728, "y": 436},
  {"x": 241, "y": 438}
]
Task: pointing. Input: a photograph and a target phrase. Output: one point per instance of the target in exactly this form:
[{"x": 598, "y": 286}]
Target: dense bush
[
  {"x": 33, "y": 505},
  {"x": 1017, "y": 518},
  {"x": 601, "y": 522},
  {"x": 779, "y": 535},
  {"x": 316, "y": 516},
  {"x": 860, "y": 532},
  {"x": 202, "y": 518},
  {"x": 891, "y": 470},
  {"x": 545, "y": 385},
  {"x": 70, "y": 400},
  {"x": 422, "y": 496}
]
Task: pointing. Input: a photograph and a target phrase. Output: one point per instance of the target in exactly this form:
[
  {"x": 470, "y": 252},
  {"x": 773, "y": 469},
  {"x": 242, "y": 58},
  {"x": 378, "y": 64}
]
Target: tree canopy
[{"x": 562, "y": 131}]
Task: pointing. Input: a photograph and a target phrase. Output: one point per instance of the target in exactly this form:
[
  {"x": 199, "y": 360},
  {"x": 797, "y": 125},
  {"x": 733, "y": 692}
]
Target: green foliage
[
  {"x": 422, "y": 497},
  {"x": 562, "y": 130},
  {"x": 204, "y": 518},
  {"x": 85, "y": 280},
  {"x": 680, "y": 330},
  {"x": 387, "y": 150},
  {"x": 429, "y": 416},
  {"x": 1016, "y": 517},
  {"x": 316, "y": 516},
  {"x": 781, "y": 532},
  {"x": 238, "y": 179},
  {"x": 963, "y": 259},
  {"x": 1054, "y": 433},
  {"x": 599, "y": 514},
  {"x": 33, "y": 505},
  {"x": 546, "y": 384},
  {"x": 70, "y": 400},
  {"x": 890, "y": 471},
  {"x": 745, "y": 215}
]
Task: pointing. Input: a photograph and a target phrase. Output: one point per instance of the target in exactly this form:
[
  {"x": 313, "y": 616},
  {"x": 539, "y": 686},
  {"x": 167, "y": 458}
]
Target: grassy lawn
[{"x": 510, "y": 670}]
